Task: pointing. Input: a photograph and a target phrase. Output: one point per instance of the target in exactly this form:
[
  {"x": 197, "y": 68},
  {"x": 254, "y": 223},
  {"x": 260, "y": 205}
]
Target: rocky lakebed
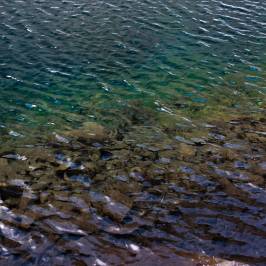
[{"x": 193, "y": 195}]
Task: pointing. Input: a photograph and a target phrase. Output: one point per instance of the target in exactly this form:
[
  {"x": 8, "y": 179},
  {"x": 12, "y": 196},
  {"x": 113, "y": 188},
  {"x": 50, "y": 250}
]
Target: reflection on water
[{"x": 132, "y": 132}]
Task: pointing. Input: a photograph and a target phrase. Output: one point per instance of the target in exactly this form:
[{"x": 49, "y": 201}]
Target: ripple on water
[
  {"x": 64, "y": 60},
  {"x": 169, "y": 182}
]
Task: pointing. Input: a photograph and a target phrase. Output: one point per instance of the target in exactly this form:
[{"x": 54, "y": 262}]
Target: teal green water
[
  {"x": 173, "y": 170},
  {"x": 63, "y": 63}
]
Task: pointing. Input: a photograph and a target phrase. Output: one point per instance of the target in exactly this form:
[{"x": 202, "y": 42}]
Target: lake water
[{"x": 132, "y": 132}]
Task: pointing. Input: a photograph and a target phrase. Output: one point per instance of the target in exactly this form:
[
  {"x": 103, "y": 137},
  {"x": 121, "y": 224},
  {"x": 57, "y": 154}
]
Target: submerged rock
[
  {"x": 89, "y": 131},
  {"x": 90, "y": 197},
  {"x": 105, "y": 155},
  {"x": 108, "y": 206},
  {"x": 15, "y": 157},
  {"x": 3, "y": 162},
  {"x": 61, "y": 139},
  {"x": 199, "y": 141},
  {"x": 183, "y": 140},
  {"x": 63, "y": 227},
  {"x": 186, "y": 151},
  {"x": 10, "y": 191}
]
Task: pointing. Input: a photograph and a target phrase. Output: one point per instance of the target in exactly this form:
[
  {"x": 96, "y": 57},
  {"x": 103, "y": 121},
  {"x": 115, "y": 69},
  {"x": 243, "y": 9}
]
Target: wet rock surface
[{"x": 178, "y": 197}]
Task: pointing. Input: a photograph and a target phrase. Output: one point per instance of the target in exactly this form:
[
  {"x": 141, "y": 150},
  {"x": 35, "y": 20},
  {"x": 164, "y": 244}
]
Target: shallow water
[
  {"x": 66, "y": 62},
  {"x": 132, "y": 132}
]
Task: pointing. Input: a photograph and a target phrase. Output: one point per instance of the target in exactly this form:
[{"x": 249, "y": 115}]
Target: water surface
[
  {"x": 113, "y": 145},
  {"x": 66, "y": 62}
]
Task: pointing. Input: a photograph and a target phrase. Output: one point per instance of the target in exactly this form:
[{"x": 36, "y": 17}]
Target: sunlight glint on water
[{"x": 132, "y": 132}]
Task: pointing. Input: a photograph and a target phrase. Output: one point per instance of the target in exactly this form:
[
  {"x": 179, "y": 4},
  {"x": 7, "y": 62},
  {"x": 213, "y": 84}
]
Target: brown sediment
[{"x": 137, "y": 196}]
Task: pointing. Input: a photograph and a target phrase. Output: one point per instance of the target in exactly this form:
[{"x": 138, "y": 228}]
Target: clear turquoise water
[
  {"x": 63, "y": 63},
  {"x": 162, "y": 193}
]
